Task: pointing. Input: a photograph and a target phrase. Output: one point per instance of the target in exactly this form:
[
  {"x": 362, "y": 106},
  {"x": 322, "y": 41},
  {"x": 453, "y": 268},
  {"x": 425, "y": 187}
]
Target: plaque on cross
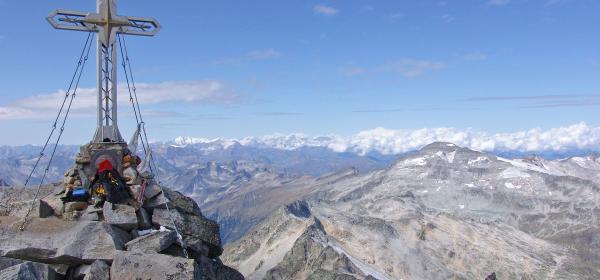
[{"x": 107, "y": 24}]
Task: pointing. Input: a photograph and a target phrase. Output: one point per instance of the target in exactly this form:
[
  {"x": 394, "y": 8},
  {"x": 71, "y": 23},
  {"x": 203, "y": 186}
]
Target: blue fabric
[{"x": 79, "y": 193}]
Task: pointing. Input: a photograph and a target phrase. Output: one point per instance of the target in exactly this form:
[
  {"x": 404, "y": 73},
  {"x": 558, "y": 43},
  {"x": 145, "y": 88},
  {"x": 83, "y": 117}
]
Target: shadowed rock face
[
  {"x": 104, "y": 239},
  {"x": 444, "y": 212}
]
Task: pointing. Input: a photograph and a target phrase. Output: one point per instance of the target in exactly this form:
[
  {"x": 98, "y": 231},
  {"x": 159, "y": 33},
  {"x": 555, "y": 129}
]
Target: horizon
[
  {"x": 575, "y": 140},
  {"x": 318, "y": 68}
]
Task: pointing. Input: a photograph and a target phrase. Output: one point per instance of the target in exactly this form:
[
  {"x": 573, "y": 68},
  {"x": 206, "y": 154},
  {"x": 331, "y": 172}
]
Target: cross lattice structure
[{"x": 107, "y": 24}]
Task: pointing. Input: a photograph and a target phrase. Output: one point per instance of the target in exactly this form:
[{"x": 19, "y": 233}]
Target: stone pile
[{"x": 113, "y": 242}]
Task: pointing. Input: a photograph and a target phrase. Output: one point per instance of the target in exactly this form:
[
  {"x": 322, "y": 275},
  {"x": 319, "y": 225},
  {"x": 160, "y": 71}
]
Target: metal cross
[{"x": 107, "y": 24}]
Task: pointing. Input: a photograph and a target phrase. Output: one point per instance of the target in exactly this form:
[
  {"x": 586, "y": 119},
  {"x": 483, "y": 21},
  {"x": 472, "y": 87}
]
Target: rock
[
  {"x": 174, "y": 250},
  {"x": 151, "y": 191},
  {"x": 72, "y": 215},
  {"x": 218, "y": 269},
  {"x": 491, "y": 276},
  {"x": 55, "y": 241},
  {"x": 224, "y": 272},
  {"x": 61, "y": 269},
  {"x": 91, "y": 214},
  {"x": 8, "y": 262},
  {"x": 193, "y": 228},
  {"x": 75, "y": 206},
  {"x": 99, "y": 270},
  {"x": 144, "y": 221},
  {"x": 120, "y": 215},
  {"x": 175, "y": 200},
  {"x": 80, "y": 272},
  {"x": 54, "y": 202},
  {"x": 199, "y": 247},
  {"x": 45, "y": 210},
  {"x": 152, "y": 243},
  {"x": 28, "y": 271},
  {"x": 129, "y": 265}
]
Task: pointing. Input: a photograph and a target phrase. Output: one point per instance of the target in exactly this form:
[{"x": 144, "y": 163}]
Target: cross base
[{"x": 106, "y": 134}]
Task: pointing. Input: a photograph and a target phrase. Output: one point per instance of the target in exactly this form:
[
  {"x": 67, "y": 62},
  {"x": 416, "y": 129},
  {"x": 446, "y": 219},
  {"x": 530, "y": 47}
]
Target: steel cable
[
  {"x": 144, "y": 136},
  {"x": 62, "y": 127}
]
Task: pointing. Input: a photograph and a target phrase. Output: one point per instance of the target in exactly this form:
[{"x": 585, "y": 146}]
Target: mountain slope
[{"x": 446, "y": 212}]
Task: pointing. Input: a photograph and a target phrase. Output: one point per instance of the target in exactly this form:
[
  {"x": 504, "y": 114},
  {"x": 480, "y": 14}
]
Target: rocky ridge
[{"x": 443, "y": 212}]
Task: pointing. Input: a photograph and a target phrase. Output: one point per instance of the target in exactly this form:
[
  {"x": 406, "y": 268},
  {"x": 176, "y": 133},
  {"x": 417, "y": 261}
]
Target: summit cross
[{"x": 107, "y": 24}]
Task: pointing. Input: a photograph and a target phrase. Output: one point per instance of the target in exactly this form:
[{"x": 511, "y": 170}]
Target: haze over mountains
[{"x": 302, "y": 154}]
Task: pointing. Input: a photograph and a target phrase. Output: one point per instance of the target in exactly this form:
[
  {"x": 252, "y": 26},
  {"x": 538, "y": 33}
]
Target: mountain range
[
  {"x": 443, "y": 212},
  {"x": 440, "y": 212}
]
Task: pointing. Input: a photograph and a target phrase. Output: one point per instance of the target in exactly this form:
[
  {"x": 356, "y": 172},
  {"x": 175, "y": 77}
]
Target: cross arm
[
  {"x": 141, "y": 26},
  {"x": 70, "y": 20}
]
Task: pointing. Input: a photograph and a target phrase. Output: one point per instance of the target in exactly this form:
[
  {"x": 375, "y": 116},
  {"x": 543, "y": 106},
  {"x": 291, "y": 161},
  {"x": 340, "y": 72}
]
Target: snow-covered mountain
[
  {"x": 551, "y": 143},
  {"x": 443, "y": 212}
]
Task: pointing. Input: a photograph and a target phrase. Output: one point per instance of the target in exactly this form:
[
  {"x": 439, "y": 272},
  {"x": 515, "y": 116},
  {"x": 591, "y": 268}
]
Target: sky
[{"x": 249, "y": 68}]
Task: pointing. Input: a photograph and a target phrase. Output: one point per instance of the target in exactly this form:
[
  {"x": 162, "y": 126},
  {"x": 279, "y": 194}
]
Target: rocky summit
[{"x": 115, "y": 241}]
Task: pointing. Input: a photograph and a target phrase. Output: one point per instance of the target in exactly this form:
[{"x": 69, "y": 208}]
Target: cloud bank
[
  {"x": 389, "y": 141},
  {"x": 45, "y": 105}
]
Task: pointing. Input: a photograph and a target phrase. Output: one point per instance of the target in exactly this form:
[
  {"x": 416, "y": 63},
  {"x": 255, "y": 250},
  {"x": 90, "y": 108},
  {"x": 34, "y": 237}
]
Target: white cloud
[
  {"x": 45, "y": 105},
  {"x": 350, "y": 71},
  {"x": 390, "y": 141},
  {"x": 412, "y": 68},
  {"x": 393, "y": 18},
  {"x": 498, "y": 2},
  {"x": 475, "y": 56},
  {"x": 577, "y": 136},
  {"x": 264, "y": 54},
  {"x": 325, "y": 10}
]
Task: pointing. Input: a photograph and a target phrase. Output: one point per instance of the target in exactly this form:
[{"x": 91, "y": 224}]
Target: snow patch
[
  {"x": 449, "y": 157},
  {"x": 420, "y": 161},
  {"x": 513, "y": 172},
  {"x": 528, "y": 166},
  {"x": 477, "y": 161},
  {"x": 511, "y": 185}
]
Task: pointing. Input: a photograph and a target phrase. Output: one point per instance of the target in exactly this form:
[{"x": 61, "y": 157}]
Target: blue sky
[{"x": 242, "y": 68}]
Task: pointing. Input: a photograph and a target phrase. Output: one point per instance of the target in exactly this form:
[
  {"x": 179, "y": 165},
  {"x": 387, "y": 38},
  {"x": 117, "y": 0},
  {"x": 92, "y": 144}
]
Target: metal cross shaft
[{"x": 107, "y": 24}]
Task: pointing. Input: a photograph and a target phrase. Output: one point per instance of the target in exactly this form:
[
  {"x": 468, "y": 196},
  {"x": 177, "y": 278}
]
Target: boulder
[
  {"x": 61, "y": 269},
  {"x": 175, "y": 200},
  {"x": 91, "y": 214},
  {"x": 99, "y": 270},
  {"x": 152, "y": 191},
  {"x": 195, "y": 229},
  {"x": 154, "y": 242},
  {"x": 28, "y": 271},
  {"x": 52, "y": 205},
  {"x": 120, "y": 215},
  {"x": 80, "y": 272},
  {"x": 135, "y": 265},
  {"x": 44, "y": 209},
  {"x": 55, "y": 241},
  {"x": 8, "y": 262},
  {"x": 144, "y": 221},
  {"x": 215, "y": 269}
]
